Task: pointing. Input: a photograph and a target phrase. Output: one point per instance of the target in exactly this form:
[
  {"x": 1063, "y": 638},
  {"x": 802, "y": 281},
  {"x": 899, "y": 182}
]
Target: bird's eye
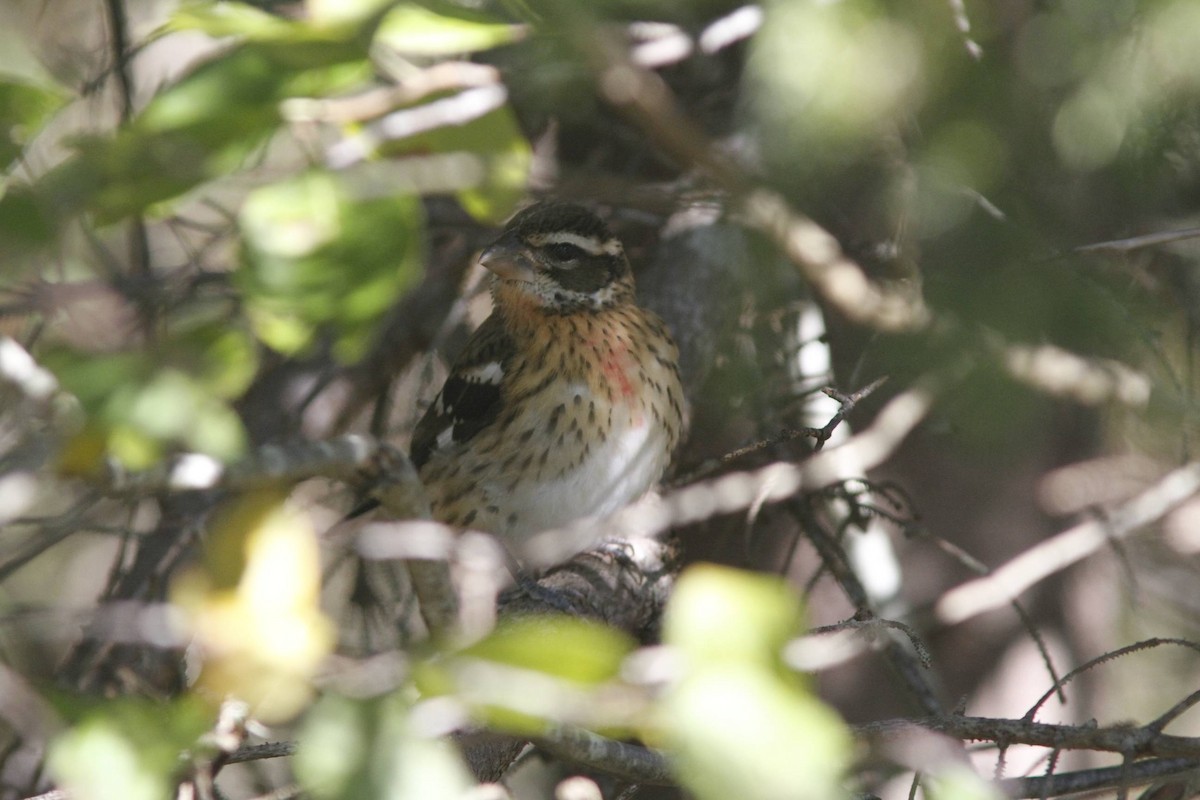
[{"x": 565, "y": 251}]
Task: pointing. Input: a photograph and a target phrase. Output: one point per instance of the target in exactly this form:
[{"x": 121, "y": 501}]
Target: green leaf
[
  {"x": 738, "y": 731},
  {"x": 316, "y": 255},
  {"x": 565, "y": 647},
  {"x": 362, "y": 749},
  {"x": 829, "y": 78},
  {"x": 417, "y": 31},
  {"x": 738, "y": 723},
  {"x": 499, "y": 156},
  {"x": 201, "y": 128},
  {"x": 328, "y": 21},
  {"x": 126, "y": 749},
  {"x": 718, "y": 614},
  {"x": 535, "y": 671},
  {"x": 231, "y": 19},
  {"x": 24, "y": 108},
  {"x": 140, "y": 406}
]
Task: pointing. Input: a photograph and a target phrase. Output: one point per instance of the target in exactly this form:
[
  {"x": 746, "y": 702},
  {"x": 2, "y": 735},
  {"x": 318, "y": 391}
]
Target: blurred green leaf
[
  {"x": 331, "y": 21},
  {"x": 498, "y": 153},
  {"x": 718, "y": 614},
  {"x": 366, "y": 749},
  {"x": 252, "y": 607},
  {"x": 318, "y": 256},
  {"x": 24, "y": 108},
  {"x": 203, "y": 127},
  {"x": 827, "y": 79},
  {"x": 565, "y": 647},
  {"x": 533, "y": 672},
  {"x": 736, "y": 722},
  {"x": 232, "y": 19},
  {"x": 140, "y": 406},
  {"x": 127, "y": 749},
  {"x": 738, "y": 732},
  {"x": 418, "y": 31},
  {"x": 25, "y": 224}
]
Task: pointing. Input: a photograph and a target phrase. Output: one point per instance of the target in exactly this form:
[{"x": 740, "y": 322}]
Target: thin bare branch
[
  {"x": 1009, "y": 581},
  {"x": 1139, "y": 242},
  {"x": 1101, "y": 778},
  {"x": 630, "y": 762},
  {"x": 1125, "y": 739}
]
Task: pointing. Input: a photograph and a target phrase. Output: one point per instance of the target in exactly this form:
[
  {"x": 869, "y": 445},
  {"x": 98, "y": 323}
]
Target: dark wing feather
[{"x": 470, "y": 398}]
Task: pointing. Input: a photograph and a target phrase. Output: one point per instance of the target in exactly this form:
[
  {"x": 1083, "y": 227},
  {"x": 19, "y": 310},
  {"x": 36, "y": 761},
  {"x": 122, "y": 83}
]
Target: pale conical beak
[{"x": 509, "y": 260}]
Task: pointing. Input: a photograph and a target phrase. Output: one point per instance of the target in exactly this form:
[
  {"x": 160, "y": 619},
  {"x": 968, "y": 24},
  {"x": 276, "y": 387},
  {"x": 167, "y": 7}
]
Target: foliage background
[{"x": 231, "y": 225}]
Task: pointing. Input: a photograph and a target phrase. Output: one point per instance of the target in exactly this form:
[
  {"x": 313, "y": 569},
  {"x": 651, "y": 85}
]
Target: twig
[
  {"x": 139, "y": 243},
  {"x": 1138, "y": 242},
  {"x": 442, "y": 77},
  {"x": 53, "y": 794},
  {"x": 350, "y": 458},
  {"x": 1124, "y": 739},
  {"x": 1064, "y": 783},
  {"x": 847, "y": 403},
  {"x": 258, "y": 752},
  {"x": 910, "y": 669},
  {"x": 1136, "y": 647},
  {"x": 627, "y": 761},
  {"x": 54, "y": 531},
  {"x": 1010, "y": 580},
  {"x": 623, "y": 585},
  {"x": 1175, "y": 711}
]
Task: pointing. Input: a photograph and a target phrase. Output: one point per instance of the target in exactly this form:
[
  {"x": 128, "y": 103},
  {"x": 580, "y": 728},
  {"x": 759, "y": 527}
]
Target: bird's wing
[{"x": 470, "y": 397}]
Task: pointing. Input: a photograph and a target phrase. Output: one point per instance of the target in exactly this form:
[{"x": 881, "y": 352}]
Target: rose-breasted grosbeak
[{"x": 566, "y": 402}]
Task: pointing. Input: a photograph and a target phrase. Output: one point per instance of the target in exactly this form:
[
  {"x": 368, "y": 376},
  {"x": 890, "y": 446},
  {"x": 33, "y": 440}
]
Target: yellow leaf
[{"x": 254, "y": 606}]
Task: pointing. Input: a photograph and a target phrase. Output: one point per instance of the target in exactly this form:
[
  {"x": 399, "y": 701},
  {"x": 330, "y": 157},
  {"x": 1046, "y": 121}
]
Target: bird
[{"x": 566, "y": 402}]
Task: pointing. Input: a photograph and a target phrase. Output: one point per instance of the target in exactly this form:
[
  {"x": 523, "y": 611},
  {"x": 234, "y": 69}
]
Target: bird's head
[{"x": 561, "y": 258}]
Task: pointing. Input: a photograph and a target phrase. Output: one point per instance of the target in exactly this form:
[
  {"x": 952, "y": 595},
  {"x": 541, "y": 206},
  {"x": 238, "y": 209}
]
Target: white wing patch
[{"x": 491, "y": 372}]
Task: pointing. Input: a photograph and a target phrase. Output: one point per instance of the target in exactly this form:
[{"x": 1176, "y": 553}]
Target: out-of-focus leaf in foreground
[
  {"x": 415, "y": 30},
  {"x": 126, "y": 749},
  {"x": 739, "y": 723},
  {"x": 138, "y": 405},
  {"x": 826, "y": 79},
  {"x": 208, "y": 123},
  {"x": 253, "y": 607},
  {"x": 532, "y": 672},
  {"x": 24, "y": 108},
  {"x": 318, "y": 256},
  {"x": 352, "y": 749}
]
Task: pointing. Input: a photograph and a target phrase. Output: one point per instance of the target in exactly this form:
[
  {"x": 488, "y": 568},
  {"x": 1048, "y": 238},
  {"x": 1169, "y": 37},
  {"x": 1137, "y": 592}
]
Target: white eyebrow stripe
[{"x": 588, "y": 244}]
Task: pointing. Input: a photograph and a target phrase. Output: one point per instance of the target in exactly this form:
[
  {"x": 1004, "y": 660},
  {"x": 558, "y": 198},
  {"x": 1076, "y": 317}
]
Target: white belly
[{"x": 613, "y": 474}]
